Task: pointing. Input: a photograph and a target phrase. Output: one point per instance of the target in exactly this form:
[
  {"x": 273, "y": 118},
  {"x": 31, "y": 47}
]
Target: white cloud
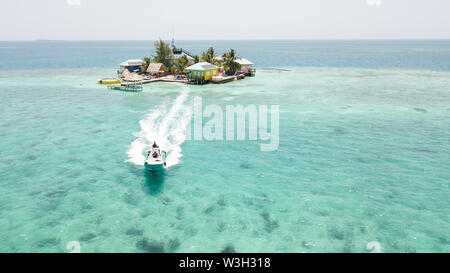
[{"x": 72, "y": 3}]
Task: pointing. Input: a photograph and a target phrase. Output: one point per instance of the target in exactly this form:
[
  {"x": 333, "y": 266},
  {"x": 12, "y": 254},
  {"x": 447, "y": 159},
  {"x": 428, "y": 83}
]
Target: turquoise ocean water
[{"x": 363, "y": 157}]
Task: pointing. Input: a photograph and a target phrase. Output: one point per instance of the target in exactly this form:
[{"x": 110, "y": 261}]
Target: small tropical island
[{"x": 172, "y": 64}]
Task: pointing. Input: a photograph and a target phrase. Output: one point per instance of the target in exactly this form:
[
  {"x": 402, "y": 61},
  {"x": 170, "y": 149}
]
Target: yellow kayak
[{"x": 109, "y": 81}]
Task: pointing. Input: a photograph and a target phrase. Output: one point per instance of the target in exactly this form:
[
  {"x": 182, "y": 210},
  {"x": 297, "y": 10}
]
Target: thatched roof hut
[
  {"x": 125, "y": 73},
  {"x": 133, "y": 77},
  {"x": 155, "y": 68}
]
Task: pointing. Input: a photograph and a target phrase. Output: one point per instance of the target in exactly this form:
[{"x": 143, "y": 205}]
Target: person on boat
[{"x": 154, "y": 145}]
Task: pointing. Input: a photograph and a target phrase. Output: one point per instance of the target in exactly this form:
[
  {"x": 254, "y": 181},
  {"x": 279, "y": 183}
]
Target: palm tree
[
  {"x": 209, "y": 56},
  {"x": 182, "y": 63},
  {"x": 211, "y": 52},
  {"x": 173, "y": 69},
  {"x": 218, "y": 62},
  {"x": 205, "y": 57},
  {"x": 229, "y": 62},
  {"x": 196, "y": 59},
  {"x": 163, "y": 54},
  {"x": 147, "y": 62}
]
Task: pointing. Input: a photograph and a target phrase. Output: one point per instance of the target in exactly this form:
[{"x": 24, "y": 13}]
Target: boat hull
[
  {"x": 156, "y": 159},
  {"x": 223, "y": 79},
  {"x": 154, "y": 167},
  {"x": 125, "y": 87}
]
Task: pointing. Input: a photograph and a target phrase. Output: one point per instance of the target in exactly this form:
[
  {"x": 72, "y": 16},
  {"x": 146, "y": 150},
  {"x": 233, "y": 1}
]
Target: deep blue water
[{"x": 430, "y": 54}]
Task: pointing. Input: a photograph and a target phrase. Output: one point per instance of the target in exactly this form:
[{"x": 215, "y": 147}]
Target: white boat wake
[{"x": 165, "y": 125}]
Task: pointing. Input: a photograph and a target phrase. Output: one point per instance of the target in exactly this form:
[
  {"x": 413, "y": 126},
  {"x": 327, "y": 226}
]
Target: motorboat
[
  {"x": 155, "y": 159},
  {"x": 222, "y": 79},
  {"x": 128, "y": 87}
]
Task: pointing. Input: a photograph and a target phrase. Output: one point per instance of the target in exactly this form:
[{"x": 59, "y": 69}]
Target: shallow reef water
[{"x": 363, "y": 157}]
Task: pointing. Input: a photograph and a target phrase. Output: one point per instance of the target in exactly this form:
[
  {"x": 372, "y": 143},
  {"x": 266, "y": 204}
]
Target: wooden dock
[
  {"x": 169, "y": 78},
  {"x": 128, "y": 87},
  {"x": 172, "y": 78}
]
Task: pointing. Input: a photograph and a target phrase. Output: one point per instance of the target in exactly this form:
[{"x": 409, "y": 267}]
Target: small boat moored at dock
[
  {"x": 240, "y": 76},
  {"x": 128, "y": 87},
  {"x": 222, "y": 79}
]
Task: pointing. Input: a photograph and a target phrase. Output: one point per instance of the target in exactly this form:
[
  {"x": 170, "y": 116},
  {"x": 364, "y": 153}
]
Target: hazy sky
[{"x": 224, "y": 19}]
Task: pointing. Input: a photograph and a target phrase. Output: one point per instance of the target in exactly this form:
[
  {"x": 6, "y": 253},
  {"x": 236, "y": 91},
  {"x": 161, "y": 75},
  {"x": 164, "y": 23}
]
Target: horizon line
[{"x": 152, "y": 40}]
